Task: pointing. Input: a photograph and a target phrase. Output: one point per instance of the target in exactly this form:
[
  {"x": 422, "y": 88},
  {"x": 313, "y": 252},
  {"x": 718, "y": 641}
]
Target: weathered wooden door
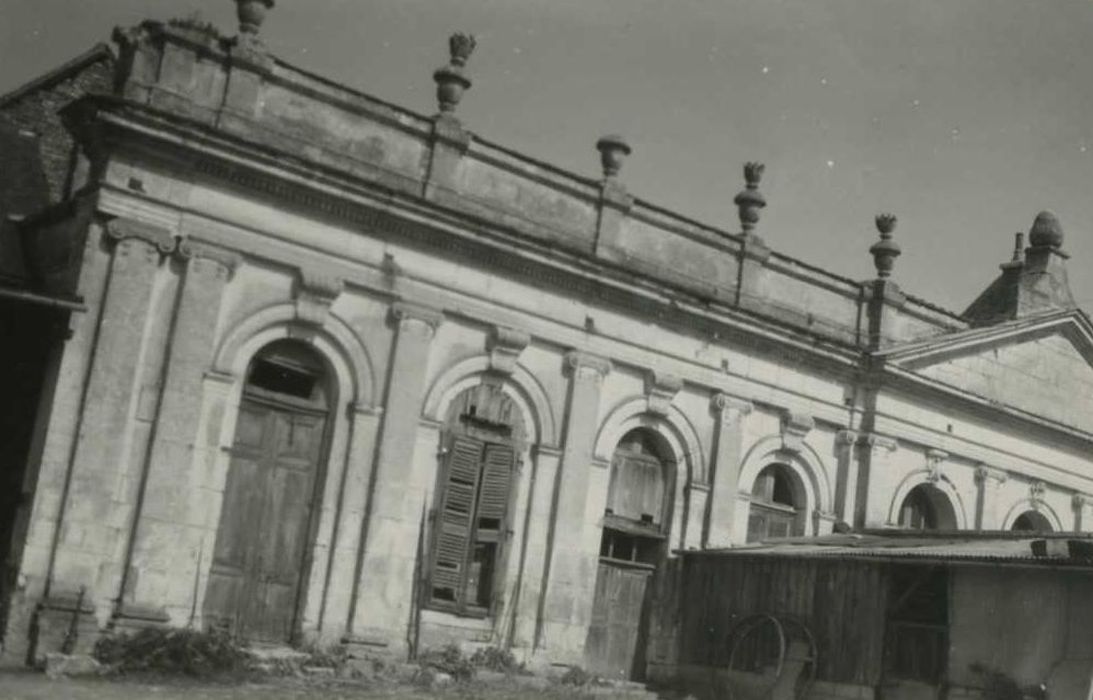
[
  {"x": 615, "y": 644},
  {"x": 259, "y": 559}
]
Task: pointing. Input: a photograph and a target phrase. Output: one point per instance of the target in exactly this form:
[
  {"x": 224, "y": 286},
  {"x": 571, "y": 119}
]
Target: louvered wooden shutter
[
  {"x": 493, "y": 500},
  {"x": 456, "y": 520}
]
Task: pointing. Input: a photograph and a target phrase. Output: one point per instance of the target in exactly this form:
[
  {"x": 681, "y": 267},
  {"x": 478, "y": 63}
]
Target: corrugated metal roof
[{"x": 1071, "y": 549}]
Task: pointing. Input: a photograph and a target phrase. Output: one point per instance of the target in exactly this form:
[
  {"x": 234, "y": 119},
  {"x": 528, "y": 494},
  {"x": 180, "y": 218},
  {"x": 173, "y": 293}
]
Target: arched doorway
[
  {"x": 632, "y": 547},
  {"x": 266, "y": 520},
  {"x": 1032, "y": 521},
  {"x": 777, "y": 505},
  {"x": 927, "y": 508}
]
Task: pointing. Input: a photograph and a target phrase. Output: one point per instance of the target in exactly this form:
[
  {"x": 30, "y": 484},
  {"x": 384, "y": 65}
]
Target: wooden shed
[{"x": 892, "y": 615}]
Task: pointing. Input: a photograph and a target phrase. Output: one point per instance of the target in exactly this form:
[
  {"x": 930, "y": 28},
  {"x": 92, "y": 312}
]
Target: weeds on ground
[
  {"x": 999, "y": 686},
  {"x": 186, "y": 651},
  {"x": 332, "y": 656},
  {"x": 498, "y": 660},
  {"x": 577, "y": 677},
  {"x": 450, "y": 660}
]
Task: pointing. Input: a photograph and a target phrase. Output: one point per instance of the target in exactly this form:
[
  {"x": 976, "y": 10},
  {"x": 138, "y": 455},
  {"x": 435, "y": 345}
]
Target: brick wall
[{"x": 36, "y": 109}]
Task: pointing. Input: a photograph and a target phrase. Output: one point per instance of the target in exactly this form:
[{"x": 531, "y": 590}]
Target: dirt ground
[{"x": 26, "y": 685}]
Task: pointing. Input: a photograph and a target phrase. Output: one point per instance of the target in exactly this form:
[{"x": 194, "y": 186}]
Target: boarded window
[
  {"x": 471, "y": 524},
  {"x": 774, "y": 509}
]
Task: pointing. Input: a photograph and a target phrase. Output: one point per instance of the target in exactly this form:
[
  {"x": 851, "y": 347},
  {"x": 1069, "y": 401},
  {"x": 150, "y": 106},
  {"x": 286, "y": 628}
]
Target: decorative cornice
[
  {"x": 583, "y": 365},
  {"x": 121, "y": 229},
  {"x": 388, "y": 224},
  {"x": 505, "y": 345},
  {"x": 315, "y": 293},
  {"x": 660, "y": 389},
  {"x": 795, "y": 427},
  {"x": 406, "y": 312}
]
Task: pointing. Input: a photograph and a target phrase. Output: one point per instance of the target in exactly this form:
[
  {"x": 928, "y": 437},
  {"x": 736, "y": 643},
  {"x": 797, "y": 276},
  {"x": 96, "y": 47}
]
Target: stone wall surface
[{"x": 262, "y": 203}]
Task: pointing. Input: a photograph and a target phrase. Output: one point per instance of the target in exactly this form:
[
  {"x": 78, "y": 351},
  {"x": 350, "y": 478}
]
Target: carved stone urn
[
  {"x": 451, "y": 82},
  {"x": 252, "y": 13},
  {"x": 885, "y": 251},
  {"x": 613, "y": 151}
]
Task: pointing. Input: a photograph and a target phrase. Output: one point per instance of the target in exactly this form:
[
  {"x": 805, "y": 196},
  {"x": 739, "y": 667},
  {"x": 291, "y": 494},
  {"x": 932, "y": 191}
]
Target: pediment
[{"x": 1040, "y": 365}]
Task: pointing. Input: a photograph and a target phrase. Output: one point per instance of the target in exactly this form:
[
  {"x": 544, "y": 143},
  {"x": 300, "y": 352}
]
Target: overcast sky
[{"x": 964, "y": 117}]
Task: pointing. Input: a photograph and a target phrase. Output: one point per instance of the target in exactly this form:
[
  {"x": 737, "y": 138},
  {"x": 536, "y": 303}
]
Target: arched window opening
[
  {"x": 1032, "y": 521},
  {"x": 927, "y": 508},
  {"x": 635, "y": 519},
  {"x": 483, "y": 438},
  {"x": 288, "y": 371},
  {"x": 777, "y": 505}
]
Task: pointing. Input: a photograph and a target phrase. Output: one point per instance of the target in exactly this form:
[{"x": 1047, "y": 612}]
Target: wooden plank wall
[{"x": 843, "y": 604}]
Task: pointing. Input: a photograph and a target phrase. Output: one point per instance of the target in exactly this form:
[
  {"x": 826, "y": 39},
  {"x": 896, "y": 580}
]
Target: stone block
[{"x": 58, "y": 665}]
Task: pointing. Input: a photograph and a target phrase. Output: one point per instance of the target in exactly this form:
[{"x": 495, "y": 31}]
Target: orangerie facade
[{"x": 303, "y": 364}]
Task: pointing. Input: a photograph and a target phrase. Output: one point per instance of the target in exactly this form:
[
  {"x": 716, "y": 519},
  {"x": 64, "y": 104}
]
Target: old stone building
[{"x": 288, "y": 359}]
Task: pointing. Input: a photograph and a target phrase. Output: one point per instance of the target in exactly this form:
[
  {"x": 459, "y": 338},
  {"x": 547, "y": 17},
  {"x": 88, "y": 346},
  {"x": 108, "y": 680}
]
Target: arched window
[
  {"x": 484, "y": 436},
  {"x": 776, "y": 505},
  {"x": 926, "y": 507},
  {"x": 1032, "y": 521},
  {"x": 635, "y": 519}
]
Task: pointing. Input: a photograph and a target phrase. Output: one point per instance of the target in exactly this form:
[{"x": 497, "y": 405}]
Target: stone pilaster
[
  {"x": 848, "y": 463},
  {"x": 167, "y": 533},
  {"x": 988, "y": 480},
  {"x": 386, "y": 584},
  {"x": 876, "y": 488},
  {"x": 571, "y": 572},
  {"x": 364, "y": 426},
  {"x": 89, "y": 528},
  {"x": 545, "y": 461},
  {"x": 722, "y": 501},
  {"x": 1081, "y": 503}
]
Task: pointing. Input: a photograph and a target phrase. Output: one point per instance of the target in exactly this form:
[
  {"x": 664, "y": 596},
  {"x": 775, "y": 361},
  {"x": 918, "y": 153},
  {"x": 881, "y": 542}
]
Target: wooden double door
[{"x": 262, "y": 545}]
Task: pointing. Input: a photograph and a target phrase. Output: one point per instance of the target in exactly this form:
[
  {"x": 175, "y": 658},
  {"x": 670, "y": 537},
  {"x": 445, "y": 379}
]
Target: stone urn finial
[
  {"x": 1046, "y": 231},
  {"x": 451, "y": 82},
  {"x": 252, "y": 13},
  {"x": 886, "y": 250},
  {"x": 613, "y": 151},
  {"x": 750, "y": 200}
]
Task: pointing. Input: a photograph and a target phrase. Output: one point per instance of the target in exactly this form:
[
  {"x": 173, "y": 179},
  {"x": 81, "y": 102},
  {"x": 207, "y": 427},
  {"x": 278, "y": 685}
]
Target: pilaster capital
[
  {"x": 730, "y": 408},
  {"x": 405, "y": 313},
  {"x": 580, "y": 365},
  {"x": 795, "y": 427},
  {"x": 986, "y": 474},
  {"x": 1080, "y": 500},
  {"x": 877, "y": 442},
  {"x": 221, "y": 262},
  {"x": 122, "y": 229},
  {"x": 846, "y": 437},
  {"x": 505, "y": 345},
  {"x": 660, "y": 389},
  {"x": 315, "y": 291}
]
